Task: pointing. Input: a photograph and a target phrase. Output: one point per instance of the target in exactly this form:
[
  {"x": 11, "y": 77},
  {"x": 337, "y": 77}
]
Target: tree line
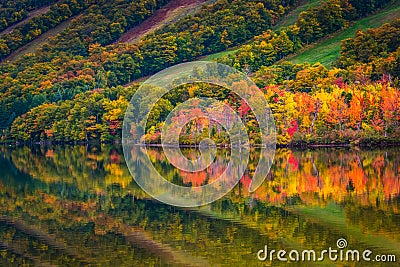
[
  {"x": 78, "y": 59},
  {"x": 12, "y": 12},
  {"x": 331, "y": 111},
  {"x": 51, "y": 78},
  {"x": 103, "y": 23},
  {"x": 311, "y": 25}
]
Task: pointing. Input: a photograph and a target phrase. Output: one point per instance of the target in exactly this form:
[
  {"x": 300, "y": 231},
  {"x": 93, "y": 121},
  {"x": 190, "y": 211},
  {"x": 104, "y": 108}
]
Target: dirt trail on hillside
[
  {"x": 33, "y": 45},
  {"x": 170, "y": 12},
  {"x": 30, "y": 16}
]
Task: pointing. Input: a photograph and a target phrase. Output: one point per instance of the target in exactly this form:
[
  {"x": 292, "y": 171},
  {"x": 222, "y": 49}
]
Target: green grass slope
[
  {"x": 328, "y": 50},
  {"x": 218, "y": 55},
  {"x": 292, "y": 16},
  {"x": 287, "y": 20}
]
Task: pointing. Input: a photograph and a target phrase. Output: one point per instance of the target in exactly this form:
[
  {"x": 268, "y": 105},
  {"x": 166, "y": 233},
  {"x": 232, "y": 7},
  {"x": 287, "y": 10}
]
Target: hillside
[
  {"x": 102, "y": 22},
  {"x": 199, "y": 133},
  {"x": 165, "y": 15},
  {"x": 293, "y": 15},
  {"x": 32, "y": 46},
  {"x": 30, "y": 15},
  {"x": 16, "y": 13},
  {"x": 313, "y": 25},
  {"x": 328, "y": 50},
  {"x": 75, "y": 85},
  {"x": 168, "y": 13},
  {"x": 287, "y": 20}
]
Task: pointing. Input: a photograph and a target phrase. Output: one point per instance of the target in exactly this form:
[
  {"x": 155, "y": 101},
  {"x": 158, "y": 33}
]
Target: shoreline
[{"x": 296, "y": 145}]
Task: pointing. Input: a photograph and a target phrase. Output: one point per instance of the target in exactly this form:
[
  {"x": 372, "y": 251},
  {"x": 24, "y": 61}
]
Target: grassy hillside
[
  {"x": 286, "y": 20},
  {"x": 292, "y": 16},
  {"x": 82, "y": 70},
  {"x": 32, "y": 46},
  {"x": 328, "y": 50},
  {"x": 218, "y": 55}
]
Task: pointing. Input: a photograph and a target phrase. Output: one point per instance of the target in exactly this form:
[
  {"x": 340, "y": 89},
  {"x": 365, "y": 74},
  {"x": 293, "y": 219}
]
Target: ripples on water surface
[{"x": 79, "y": 206}]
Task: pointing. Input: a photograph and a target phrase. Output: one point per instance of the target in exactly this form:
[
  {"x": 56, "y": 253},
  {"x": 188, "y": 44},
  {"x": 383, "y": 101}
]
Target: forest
[
  {"x": 76, "y": 87},
  {"x": 16, "y": 11}
]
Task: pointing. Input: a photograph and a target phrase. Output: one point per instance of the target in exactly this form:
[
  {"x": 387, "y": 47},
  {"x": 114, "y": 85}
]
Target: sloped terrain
[
  {"x": 35, "y": 44},
  {"x": 328, "y": 50},
  {"x": 168, "y": 14},
  {"x": 292, "y": 16},
  {"x": 285, "y": 21},
  {"x": 30, "y": 16}
]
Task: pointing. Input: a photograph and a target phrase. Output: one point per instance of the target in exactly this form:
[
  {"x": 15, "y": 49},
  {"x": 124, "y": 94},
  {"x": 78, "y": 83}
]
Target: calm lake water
[{"x": 79, "y": 206}]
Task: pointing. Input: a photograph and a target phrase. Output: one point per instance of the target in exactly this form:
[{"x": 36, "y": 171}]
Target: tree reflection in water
[{"x": 77, "y": 205}]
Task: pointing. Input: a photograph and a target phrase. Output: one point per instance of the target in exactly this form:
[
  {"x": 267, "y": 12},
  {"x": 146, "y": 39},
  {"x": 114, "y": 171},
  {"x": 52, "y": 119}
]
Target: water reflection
[{"x": 77, "y": 205}]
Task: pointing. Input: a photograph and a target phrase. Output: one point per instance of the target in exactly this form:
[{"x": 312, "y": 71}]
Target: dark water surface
[{"x": 79, "y": 206}]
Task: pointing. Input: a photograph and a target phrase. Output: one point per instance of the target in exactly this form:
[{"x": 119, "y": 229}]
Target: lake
[{"x": 80, "y": 206}]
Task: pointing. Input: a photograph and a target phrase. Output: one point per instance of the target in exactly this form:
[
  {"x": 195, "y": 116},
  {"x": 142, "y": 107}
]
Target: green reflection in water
[{"x": 77, "y": 205}]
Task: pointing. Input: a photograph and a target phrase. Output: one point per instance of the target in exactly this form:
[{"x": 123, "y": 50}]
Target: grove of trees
[{"x": 67, "y": 92}]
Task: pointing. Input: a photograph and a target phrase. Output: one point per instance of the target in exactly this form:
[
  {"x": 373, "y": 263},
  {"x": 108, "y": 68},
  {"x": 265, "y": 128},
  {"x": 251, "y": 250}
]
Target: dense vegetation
[
  {"x": 76, "y": 60},
  {"x": 314, "y": 105},
  {"x": 12, "y": 12},
  {"x": 95, "y": 115},
  {"x": 33, "y": 28},
  {"x": 371, "y": 46},
  {"x": 45, "y": 96},
  {"x": 79, "y": 205},
  {"x": 327, "y": 50},
  {"x": 215, "y": 28},
  {"x": 311, "y": 25},
  {"x": 103, "y": 23}
]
